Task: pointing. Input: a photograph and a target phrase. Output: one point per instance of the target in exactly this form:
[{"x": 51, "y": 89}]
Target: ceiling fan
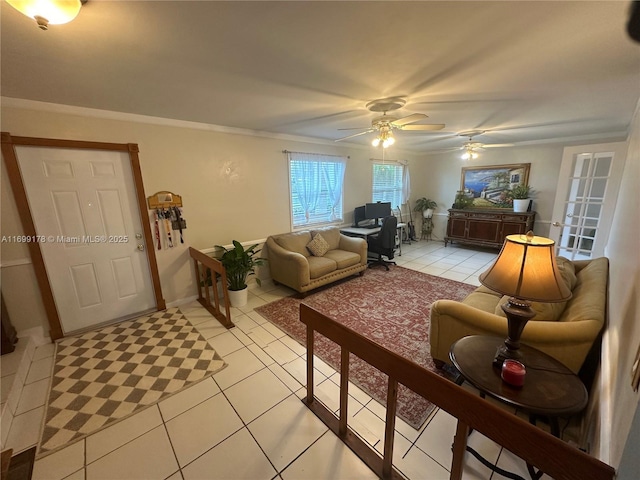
[
  {"x": 472, "y": 148},
  {"x": 386, "y": 124}
]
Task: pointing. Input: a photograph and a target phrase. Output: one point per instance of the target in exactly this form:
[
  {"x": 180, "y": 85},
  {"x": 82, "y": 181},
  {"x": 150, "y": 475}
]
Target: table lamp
[{"x": 525, "y": 270}]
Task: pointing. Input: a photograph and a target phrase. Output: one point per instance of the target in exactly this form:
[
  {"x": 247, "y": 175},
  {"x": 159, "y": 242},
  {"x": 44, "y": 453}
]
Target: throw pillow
[{"x": 318, "y": 246}]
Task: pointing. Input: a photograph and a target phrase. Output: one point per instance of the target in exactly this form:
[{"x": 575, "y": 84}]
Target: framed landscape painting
[{"x": 488, "y": 186}]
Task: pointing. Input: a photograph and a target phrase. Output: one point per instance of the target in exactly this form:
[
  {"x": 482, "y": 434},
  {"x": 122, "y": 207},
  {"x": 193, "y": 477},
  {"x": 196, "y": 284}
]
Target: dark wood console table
[{"x": 486, "y": 228}]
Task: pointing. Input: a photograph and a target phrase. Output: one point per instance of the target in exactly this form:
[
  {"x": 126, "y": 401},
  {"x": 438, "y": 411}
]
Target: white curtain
[
  {"x": 306, "y": 182},
  {"x": 334, "y": 176},
  {"x": 406, "y": 184}
]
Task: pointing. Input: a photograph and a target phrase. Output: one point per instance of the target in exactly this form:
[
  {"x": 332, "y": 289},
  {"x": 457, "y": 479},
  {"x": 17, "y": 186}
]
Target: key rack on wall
[
  {"x": 166, "y": 217},
  {"x": 164, "y": 199}
]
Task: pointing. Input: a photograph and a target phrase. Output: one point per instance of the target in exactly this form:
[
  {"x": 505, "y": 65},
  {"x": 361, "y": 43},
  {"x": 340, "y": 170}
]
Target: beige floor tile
[
  {"x": 60, "y": 464},
  {"x": 202, "y": 427},
  {"x": 436, "y": 439},
  {"x": 147, "y": 457},
  {"x": 39, "y": 370},
  {"x": 256, "y": 394},
  {"x": 286, "y": 430},
  {"x": 25, "y": 430},
  {"x": 113, "y": 437},
  {"x": 238, "y": 458},
  {"x": 280, "y": 352},
  {"x": 241, "y": 364},
  {"x": 314, "y": 463},
  {"x": 188, "y": 398},
  {"x": 33, "y": 395},
  {"x": 225, "y": 343}
]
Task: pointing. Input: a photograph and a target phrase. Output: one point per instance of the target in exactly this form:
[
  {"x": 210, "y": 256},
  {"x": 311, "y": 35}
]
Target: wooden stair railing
[
  {"x": 535, "y": 446},
  {"x": 212, "y": 270}
]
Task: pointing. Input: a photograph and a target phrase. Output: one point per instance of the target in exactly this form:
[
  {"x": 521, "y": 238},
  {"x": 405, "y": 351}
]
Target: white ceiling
[{"x": 526, "y": 72}]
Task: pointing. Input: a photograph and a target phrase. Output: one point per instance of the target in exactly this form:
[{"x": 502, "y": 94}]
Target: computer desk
[{"x": 365, "y": 232}]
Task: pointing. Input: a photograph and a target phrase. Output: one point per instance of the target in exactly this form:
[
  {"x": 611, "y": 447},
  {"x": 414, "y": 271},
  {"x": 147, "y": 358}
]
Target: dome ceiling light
[{"x": 45, "y": 12}]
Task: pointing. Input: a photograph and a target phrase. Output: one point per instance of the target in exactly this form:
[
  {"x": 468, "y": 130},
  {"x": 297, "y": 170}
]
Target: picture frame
[{"x": 488, "y": 185}]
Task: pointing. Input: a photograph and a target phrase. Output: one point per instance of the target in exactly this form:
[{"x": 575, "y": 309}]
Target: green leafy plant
[
  {"x": 239, "y": 263},
  {"x": 423, "y": 204},
  {"x": 521, "y": 192},
  {"x": 462, "y": 200}
]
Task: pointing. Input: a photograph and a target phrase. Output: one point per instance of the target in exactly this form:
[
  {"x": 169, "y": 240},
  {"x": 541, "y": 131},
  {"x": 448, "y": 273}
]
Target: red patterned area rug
[{"x": 391, "y": 308}]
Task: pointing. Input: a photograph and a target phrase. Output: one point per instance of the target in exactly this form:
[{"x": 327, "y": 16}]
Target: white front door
[
  {"x": 586, "y": 195},
  {"x": 90, "y": 232}
]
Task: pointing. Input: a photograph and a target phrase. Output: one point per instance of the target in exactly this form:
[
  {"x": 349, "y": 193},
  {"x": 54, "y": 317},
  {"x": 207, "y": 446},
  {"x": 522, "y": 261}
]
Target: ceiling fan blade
[
  {"x": 497, "y": 145},
  {"x": 409, "y": 119},
  {"x": 369, "y": 129},
  {"x": 354, "y": 135},
  {"x": 427, "y": 128}
]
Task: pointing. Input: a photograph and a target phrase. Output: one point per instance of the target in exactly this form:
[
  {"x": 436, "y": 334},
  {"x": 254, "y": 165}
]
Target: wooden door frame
[{"x": 26, "y": 218}]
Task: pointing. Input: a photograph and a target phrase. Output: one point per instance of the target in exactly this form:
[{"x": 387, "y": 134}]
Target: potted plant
[
  {"x": 521, "y": 196},
  {"x": 426, "y": 206},
  {"x": 462, "y": 201},
  {"x": 239, "y": 263}
]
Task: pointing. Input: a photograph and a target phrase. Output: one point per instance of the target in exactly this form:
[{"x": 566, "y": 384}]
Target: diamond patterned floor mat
[{"x": 104, "y": 376}]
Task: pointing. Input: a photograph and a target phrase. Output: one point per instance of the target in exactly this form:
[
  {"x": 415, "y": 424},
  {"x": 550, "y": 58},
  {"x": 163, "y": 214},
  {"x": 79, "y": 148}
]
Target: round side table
[{"x": 550, "y": 389}]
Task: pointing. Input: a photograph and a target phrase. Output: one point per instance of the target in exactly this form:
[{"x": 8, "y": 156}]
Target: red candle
[{"x": 513, "y": 373}]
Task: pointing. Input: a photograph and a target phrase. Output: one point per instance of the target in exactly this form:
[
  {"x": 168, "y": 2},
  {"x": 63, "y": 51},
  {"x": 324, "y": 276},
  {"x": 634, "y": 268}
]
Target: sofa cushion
[
  {"x": 318, "y": 246},
  {"x": 343, "y": 258},
  {"x": 319, "y": 266},
  {"x": 549, "y": 311},
  {"x": 330, "y": 234},
  {"x": 568, "y": 271},
  {"x": 295, "y": 242},
  {"x": 482, "y": 301},
  {"x": 589, "y": 298}
]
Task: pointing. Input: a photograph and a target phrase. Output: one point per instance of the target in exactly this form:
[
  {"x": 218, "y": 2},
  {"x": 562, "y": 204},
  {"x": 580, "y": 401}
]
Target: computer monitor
[
  {"x": 377, "y": 210},
  {"x": 358, "y": 215}
]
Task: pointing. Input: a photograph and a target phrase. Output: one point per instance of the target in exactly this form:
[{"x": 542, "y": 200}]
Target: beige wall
[
  {"x": 233, "y": 187},
  {"x": 622, "y": 338},
  {"x": 441, "y": 174}
]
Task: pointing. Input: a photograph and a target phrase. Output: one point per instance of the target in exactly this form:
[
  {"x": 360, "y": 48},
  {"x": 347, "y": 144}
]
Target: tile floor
[{"x": 247, "y": 421}]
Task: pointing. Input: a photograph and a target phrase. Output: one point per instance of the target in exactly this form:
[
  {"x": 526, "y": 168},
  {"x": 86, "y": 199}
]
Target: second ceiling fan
[
  {"x": 471, "y": 148},
  {"x": 386, "y": 124}
]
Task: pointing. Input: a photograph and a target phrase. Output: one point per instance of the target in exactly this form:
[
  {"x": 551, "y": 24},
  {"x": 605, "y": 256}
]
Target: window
[
  {"x": 316, "y": 186},
  {"x": 388, "y": 184}
]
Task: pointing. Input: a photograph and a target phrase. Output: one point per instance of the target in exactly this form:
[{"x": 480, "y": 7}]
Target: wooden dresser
[{"x": 486, "y": 228}]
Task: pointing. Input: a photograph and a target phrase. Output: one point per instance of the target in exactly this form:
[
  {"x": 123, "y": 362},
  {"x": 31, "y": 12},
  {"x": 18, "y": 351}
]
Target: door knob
[
  {"x": 555, "y": 224},
  {"x": 140, "y": 247}
]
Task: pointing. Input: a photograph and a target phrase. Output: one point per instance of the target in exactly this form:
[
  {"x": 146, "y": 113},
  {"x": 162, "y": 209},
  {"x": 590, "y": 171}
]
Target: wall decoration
[{"x": 489, "y": 185}]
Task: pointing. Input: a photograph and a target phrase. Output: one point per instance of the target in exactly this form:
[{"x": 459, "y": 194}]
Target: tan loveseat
[
  {"x": 292, "y": 263},
  {"x": 564, "y": 331}
]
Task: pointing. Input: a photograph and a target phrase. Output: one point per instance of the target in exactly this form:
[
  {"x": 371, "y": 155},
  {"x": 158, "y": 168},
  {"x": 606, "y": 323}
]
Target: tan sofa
[
  {"x": 567, "y": 338},
  {"x": 292, "y": 263}
]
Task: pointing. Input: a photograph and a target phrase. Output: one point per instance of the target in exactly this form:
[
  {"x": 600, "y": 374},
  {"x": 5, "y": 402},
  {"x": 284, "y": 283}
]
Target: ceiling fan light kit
[
  {"x": 385, "y": 124},
  {"x": 45, "y": 12}
]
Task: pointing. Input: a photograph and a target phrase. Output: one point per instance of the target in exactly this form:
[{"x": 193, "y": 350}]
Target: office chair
[{"x": 384, "y": 243}]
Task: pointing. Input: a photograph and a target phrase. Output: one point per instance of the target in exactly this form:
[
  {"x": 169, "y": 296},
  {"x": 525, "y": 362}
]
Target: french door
[{"x": 586, "y": 194}]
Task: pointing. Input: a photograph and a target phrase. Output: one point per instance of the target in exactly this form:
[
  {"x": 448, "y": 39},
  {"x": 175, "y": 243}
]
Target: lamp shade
[
  {"x": 526, "y": 268},
  {"x": 46, "y": 12}
]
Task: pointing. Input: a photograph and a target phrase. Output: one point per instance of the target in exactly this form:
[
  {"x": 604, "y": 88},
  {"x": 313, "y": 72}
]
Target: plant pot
[
  {"x": 428, "y": 213},
  {"x": 238, "y": 298},
  {"x": 520, "y": 204}
]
